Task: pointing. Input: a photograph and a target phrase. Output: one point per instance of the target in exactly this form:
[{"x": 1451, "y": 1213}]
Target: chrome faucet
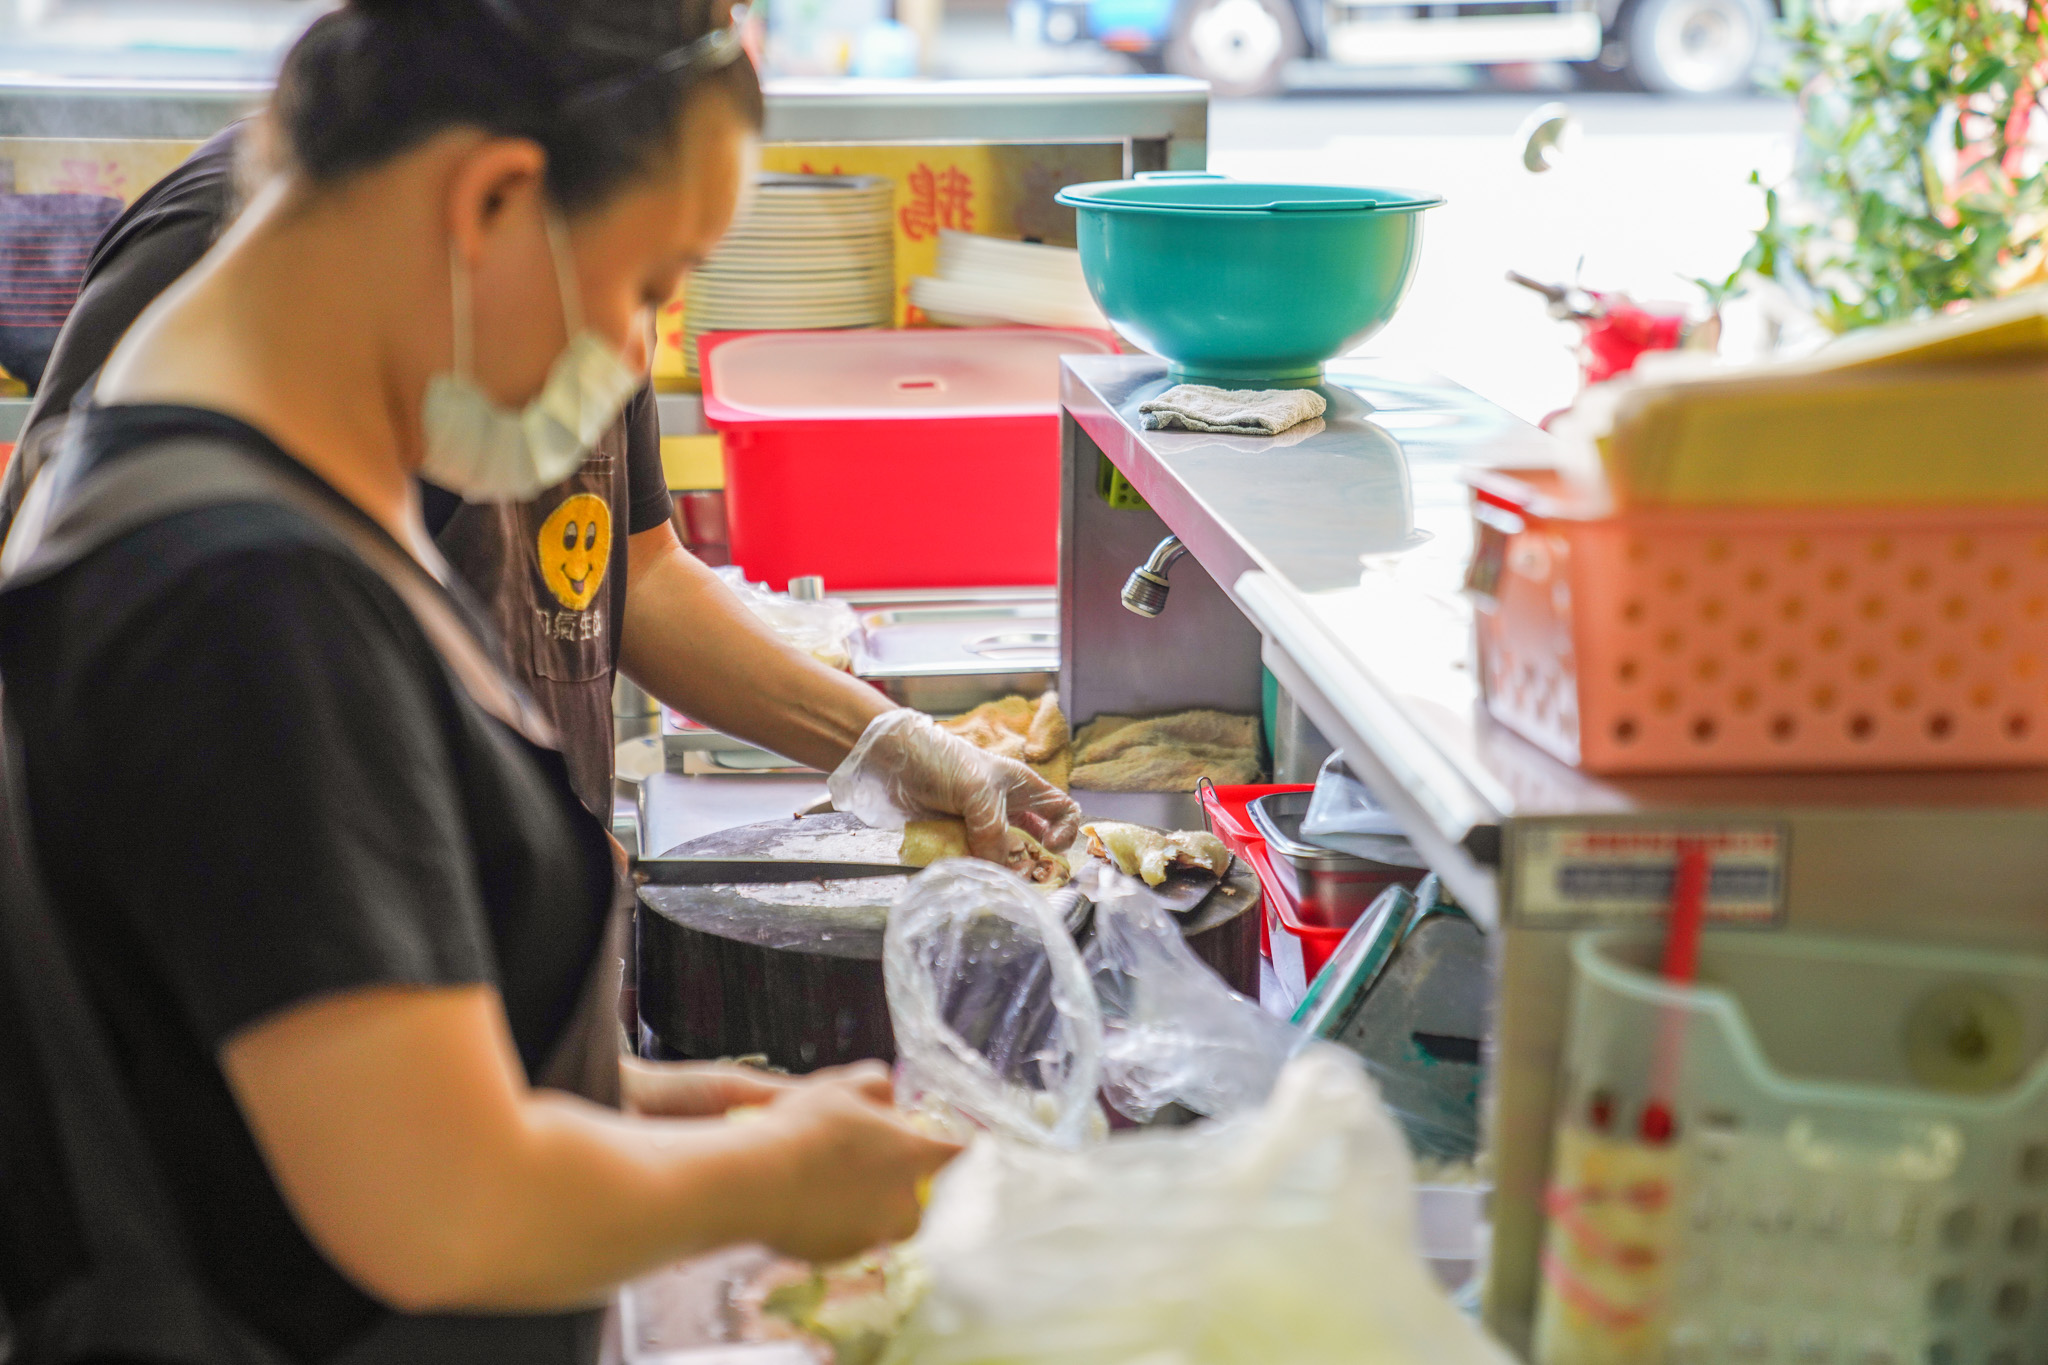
[{"x": 1145, "y": 590}]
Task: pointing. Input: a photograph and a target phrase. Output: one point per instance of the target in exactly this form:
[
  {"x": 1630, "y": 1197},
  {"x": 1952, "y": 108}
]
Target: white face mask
[{"x": 486, "y": 453}]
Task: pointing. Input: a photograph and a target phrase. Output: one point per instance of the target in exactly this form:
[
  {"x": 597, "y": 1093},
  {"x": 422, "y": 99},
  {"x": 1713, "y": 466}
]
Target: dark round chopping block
[{"x": 793, "y": 972}]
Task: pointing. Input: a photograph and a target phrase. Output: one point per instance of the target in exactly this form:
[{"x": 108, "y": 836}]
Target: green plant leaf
[{"x": 1872, "y": 226}]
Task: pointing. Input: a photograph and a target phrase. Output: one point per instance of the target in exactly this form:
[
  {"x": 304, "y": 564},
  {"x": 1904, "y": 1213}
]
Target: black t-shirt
[
  {"x": 253, "y": 784},
  {"x": 163, "y": 234}
]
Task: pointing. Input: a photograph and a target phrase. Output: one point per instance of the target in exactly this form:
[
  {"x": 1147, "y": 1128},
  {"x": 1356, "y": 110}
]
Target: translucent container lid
[
  {"x": 1205, "y": 192},
  {"x": 963, "y": 372}
]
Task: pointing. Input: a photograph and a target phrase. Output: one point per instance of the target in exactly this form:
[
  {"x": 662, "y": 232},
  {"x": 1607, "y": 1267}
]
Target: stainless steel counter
[
  {"x": 1337, "y": 558},
  {"x": 677, "y": 808},
  {"x": 1285, "y": 527}
]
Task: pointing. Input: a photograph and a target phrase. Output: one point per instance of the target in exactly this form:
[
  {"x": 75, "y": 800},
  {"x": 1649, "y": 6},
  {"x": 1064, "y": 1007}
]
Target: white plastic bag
[
  {"x": 1283, "y": 1236},
  {"x": 1000, "y": 1019},
  {"x": 1280, "y": 1233}
]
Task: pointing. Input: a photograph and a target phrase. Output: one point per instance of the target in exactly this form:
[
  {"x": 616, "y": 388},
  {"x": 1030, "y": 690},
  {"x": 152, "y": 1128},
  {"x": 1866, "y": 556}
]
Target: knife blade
[{"x": 756, "y": 871}]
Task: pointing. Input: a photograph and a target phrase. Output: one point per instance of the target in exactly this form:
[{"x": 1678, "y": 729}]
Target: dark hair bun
[{"x": 370, "y": 80}]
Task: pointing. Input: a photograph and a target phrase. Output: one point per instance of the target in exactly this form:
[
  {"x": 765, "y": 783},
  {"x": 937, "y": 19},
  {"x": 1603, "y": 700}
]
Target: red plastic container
[
  {"x": 1292, "y": 938},
  {"x": 1225, "y": 811},
  {"x": 914, "y": 459}
]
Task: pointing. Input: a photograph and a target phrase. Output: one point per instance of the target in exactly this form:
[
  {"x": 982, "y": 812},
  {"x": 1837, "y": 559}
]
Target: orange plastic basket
[{"x": 1709, "y": 640}]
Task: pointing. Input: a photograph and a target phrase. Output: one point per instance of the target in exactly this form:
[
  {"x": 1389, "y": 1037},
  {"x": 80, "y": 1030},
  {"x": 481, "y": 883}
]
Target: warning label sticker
[{"x": 1570, "y": 873}]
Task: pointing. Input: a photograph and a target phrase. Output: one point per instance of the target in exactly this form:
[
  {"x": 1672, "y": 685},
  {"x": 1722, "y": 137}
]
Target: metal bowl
[{"x": 1329, "y": 888}]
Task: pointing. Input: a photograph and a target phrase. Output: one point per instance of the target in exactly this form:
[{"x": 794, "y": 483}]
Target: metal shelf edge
[
  {"x": 1083, "y": 109},
  {"x": 1437, "y": 809}
]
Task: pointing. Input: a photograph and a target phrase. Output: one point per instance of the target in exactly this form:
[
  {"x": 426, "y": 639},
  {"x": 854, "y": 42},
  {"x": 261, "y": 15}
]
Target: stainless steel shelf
[
  {"x": 682, "y": 414},
  {"x": 1346, "y": 549},
  {"x": 1167, "y": 110},
  {"x": 1165, "y": 119},
  {"x": 61, "y": 106}
]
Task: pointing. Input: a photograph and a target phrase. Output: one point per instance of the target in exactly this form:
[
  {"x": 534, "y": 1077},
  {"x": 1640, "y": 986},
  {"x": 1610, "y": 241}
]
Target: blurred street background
[
  {"x": 1654, "y": 191},
  {"x": 1653, "y": 194}
]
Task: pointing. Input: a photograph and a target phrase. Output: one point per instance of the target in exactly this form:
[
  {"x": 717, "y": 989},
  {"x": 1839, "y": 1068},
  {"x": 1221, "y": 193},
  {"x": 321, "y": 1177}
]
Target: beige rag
[
  {"x": 1166, "y": 753},
  {"x": 1231, "y": 412}
]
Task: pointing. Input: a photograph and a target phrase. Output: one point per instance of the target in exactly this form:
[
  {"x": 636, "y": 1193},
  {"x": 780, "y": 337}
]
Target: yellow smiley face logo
[{"x": 575, "y": 549}]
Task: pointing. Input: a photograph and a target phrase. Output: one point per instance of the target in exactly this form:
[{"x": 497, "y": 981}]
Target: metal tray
[
  {"x": 1329, "y": 888},
  {"x": 952, "y": 655}
]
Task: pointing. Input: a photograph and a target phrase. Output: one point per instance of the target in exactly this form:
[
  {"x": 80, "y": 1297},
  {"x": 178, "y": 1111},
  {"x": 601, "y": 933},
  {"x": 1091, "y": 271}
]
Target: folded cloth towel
[
  {"x": 1166, "y": 753},
  {"x": 1231, "y": 412}
]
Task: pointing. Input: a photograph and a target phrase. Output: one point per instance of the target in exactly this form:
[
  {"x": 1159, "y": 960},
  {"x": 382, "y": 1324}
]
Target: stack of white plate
[
  {"x": 812, "y": 251},
  {"x": 984, "y": 281}
]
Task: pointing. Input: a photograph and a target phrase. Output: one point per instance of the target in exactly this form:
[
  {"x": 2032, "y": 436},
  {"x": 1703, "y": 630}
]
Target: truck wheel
[
  {"x": 1695, "y": 47},
  {"x": 1240, "y": 47}
]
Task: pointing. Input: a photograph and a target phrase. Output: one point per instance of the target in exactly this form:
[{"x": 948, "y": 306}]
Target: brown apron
[{"x": 551, "y": 575}]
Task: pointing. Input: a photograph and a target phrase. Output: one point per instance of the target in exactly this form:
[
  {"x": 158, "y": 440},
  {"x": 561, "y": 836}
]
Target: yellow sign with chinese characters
[{"x": 997, "y": 190}]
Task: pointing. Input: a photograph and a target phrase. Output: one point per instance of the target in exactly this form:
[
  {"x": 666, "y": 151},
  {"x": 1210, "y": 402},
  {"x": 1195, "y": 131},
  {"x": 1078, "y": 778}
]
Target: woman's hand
[
  {"x": 907, "y": 766},
  {"x": 399, "y": 1127},
  {"x": 851, "y": 1167},
  {"x": 695, "y": 1090}
]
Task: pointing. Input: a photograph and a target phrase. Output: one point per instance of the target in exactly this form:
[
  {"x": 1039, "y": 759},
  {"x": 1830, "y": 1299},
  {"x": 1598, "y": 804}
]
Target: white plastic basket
[{"x": 1857, "y": 1166}]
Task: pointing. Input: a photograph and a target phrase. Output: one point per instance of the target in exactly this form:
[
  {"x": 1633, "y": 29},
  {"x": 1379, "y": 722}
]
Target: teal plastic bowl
[{"x": 1245, "y": 284}]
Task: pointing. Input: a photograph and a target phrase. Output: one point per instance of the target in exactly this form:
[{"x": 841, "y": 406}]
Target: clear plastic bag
[
  {"x": 1281, "y": 1231},
  {"x": 1173, "y": 1033},
  {"x": 824, "y": 628},
  {"x": 1284, "y": 1234},
  {"x": 1001, "y": 1019},
  {"x": 1343, "y": 814},
  {"x": 996, "y": 1021}
]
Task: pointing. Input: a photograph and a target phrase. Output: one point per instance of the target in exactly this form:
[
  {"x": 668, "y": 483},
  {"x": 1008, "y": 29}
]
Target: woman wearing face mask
[{"x": 319, "y": 904}]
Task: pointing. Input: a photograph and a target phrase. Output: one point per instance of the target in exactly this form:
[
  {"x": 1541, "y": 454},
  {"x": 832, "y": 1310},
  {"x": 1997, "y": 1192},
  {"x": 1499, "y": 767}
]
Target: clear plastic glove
[{"x": 906, "y": 768}]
